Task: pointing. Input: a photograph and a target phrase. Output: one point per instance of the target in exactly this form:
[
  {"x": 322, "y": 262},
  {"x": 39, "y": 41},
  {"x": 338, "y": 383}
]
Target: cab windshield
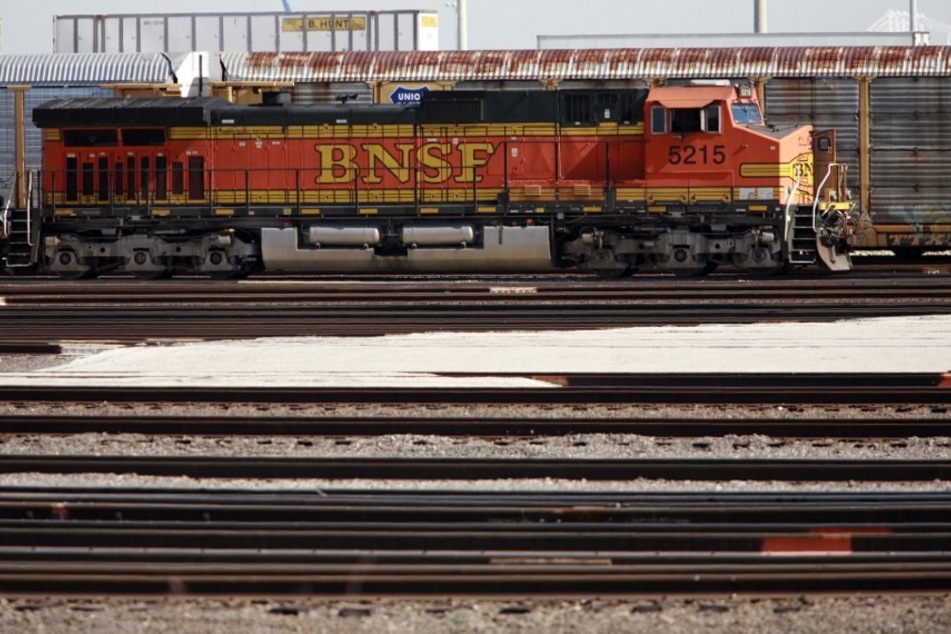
[{"x": 746, "y": 113}]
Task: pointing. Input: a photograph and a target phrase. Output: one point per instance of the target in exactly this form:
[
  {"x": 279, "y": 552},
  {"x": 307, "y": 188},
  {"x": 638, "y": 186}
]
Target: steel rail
[
  {"x": 45, "y": 313},
  {"x": 484, "y": 468},
  {"x": 574, "y": 388},
  {"x": 496, "y": 581},
  {"x": 524, "y": 294},
  {"x": 488, "y": 288},
  {"x": 889, "y": 512},
  {"x": 228, "y": 424},
  {"x": 349, "y": 543},
  {"x": 161, "y": 321}
]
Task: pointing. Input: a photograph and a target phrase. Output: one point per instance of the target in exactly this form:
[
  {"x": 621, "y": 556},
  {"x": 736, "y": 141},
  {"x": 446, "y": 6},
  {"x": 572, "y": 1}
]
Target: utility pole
[{"x": 759, "y": 16}]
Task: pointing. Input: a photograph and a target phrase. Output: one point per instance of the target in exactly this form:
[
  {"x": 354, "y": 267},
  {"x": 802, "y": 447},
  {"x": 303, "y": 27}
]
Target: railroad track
[
  {"x": 47, "y": 312},
  {"x": 562, "y": 388},
  {"x": 372, "y": 543},
  {"x": 228, "y": 424},
  {"x": 257, "y": 467}
]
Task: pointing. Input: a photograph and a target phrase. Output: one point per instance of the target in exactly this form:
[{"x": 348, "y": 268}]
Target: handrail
[
  {"x": 792, "y": 194},
  {"x": 29, "y": 207},
  {"x": 815, "y": 198},
  {"x": 5, "y": 219}
]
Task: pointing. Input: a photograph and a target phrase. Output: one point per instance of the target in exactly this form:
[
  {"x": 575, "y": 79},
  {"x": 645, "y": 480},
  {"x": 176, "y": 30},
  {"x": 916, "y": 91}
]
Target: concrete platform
[{"x": 904, "y": 344}]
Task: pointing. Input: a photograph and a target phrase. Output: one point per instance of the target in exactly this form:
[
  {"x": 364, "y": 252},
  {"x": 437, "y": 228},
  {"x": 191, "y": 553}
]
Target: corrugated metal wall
[
  {"x": 33, "y": 98},
  {"x": 911, "y": 150},
  {"x": 827, "y": 104},
  {"x": 332, "y": 92}
]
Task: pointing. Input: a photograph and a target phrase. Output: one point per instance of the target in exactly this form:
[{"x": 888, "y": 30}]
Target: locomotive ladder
[
  {"x": 802, "y": 238},
  {"x": 22, "y": 245}
]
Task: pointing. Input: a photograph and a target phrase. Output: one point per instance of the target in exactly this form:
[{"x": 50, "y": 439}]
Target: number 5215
[{"x": 696, "y": 154}]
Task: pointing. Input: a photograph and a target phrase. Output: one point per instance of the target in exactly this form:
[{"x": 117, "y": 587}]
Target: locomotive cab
[{"x": 708, "y": 145}]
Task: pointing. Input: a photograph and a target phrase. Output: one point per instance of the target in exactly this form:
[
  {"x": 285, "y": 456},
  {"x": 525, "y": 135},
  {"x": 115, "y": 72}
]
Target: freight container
[{"x": 402, "y": 30}]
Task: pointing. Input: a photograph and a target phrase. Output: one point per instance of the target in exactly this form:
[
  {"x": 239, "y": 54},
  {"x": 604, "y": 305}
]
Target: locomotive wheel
[
  {"x": 698, "y": 271},
  {"x": 614, "y": 274},
  {"x": 606, "y": 266},
  {"x": 240, "y": 272},
  {"x": 88, "y": 274},
  {"x": 153, "y": 275},
  {"x": 68, "y": 258}
]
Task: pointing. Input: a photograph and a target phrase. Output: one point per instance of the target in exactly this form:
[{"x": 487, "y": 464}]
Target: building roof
[
  {"x": 85, "y": 69},
  {"x": 589, "y": 64}
]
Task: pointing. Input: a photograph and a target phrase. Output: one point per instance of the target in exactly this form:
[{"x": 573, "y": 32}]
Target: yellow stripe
[
  {"x": 221, "y": 211},
  {"x": 343, "y": 197},
  {"x": 429, "y": 210},
  {"x": 372, "y": 131},
  {"x": 591, "y": 209},
  {"x": 689, "y": 194},
  {"x": 631, "y": 193},
  {"x": 758, "y": 208},
  {"x": 65, "y": 212},
  {"x": 368, "y": 211},
  {"x": 161, "y": 212},
  {"x": 486, "y": 210},
  {"x": 800, "y": 168}
]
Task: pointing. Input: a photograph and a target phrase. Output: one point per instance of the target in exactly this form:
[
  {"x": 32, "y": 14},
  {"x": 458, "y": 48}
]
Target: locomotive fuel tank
[{"x": 501, "y": 249}]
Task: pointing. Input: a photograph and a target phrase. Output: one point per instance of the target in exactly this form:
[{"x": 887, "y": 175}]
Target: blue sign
[{"x": 408, "y": 96}]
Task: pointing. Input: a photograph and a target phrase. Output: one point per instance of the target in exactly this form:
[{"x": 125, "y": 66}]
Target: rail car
[{"x": 683, "y": 178}]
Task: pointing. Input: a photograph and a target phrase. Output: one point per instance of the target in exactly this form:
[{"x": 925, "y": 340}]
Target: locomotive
[{"x": 606, "y": 181}]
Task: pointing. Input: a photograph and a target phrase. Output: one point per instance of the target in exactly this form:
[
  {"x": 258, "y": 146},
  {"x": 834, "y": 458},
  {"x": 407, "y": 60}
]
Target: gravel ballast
[{"x": 738, "y": 615}]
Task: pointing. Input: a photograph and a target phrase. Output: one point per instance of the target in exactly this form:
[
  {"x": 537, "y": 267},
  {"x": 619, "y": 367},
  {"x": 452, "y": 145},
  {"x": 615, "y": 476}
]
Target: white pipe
[
  {"x": 913, "y": 18},
  {"x": 759, "y": 16}
]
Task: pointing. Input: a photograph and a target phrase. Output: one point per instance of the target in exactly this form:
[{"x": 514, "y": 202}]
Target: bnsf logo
[{"x": 434, "y": 162}]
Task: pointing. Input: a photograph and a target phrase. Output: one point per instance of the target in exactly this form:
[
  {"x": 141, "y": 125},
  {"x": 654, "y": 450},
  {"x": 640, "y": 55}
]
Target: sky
[{"x": 501, "y": 24}]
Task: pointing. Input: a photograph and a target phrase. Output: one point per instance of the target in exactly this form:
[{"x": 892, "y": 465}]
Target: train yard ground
[{"x": 790, "y": 470}]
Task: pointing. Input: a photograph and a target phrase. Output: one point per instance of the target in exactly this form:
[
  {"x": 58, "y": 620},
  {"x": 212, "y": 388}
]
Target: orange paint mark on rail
[
  {"x": 819, "y": 540},
  {"x": 840, "y": 544}
]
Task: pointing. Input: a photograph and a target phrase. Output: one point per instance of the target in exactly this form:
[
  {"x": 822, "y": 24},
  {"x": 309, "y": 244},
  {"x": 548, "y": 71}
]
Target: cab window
[
  {"x": 686, "y": 120},
  {"x": 746, "y": 113},
  {"x": 658, "y": 120},
  {"x": 706, "y": 119},
  {"x": 711, "y": 114}
]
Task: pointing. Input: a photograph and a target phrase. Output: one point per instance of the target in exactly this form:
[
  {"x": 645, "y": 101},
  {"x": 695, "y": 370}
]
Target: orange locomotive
[{"x": 605, "y": 180}]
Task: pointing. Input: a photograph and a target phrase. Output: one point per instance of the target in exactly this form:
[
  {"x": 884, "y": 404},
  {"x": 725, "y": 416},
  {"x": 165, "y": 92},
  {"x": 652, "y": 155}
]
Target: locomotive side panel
[{"x": 606, "y": 181}]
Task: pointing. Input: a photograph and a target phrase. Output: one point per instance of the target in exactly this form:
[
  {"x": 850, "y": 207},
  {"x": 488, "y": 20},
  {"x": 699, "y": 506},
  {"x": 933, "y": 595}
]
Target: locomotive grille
[{"x": 462, "y": 111}]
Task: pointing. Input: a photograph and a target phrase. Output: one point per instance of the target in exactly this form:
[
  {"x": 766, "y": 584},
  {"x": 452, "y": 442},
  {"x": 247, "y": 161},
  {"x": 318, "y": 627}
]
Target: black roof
[
  {"x": 206, "y": 111},
  {"x": 160, "y": 111},
  {"x": 437, "y": 107}
]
